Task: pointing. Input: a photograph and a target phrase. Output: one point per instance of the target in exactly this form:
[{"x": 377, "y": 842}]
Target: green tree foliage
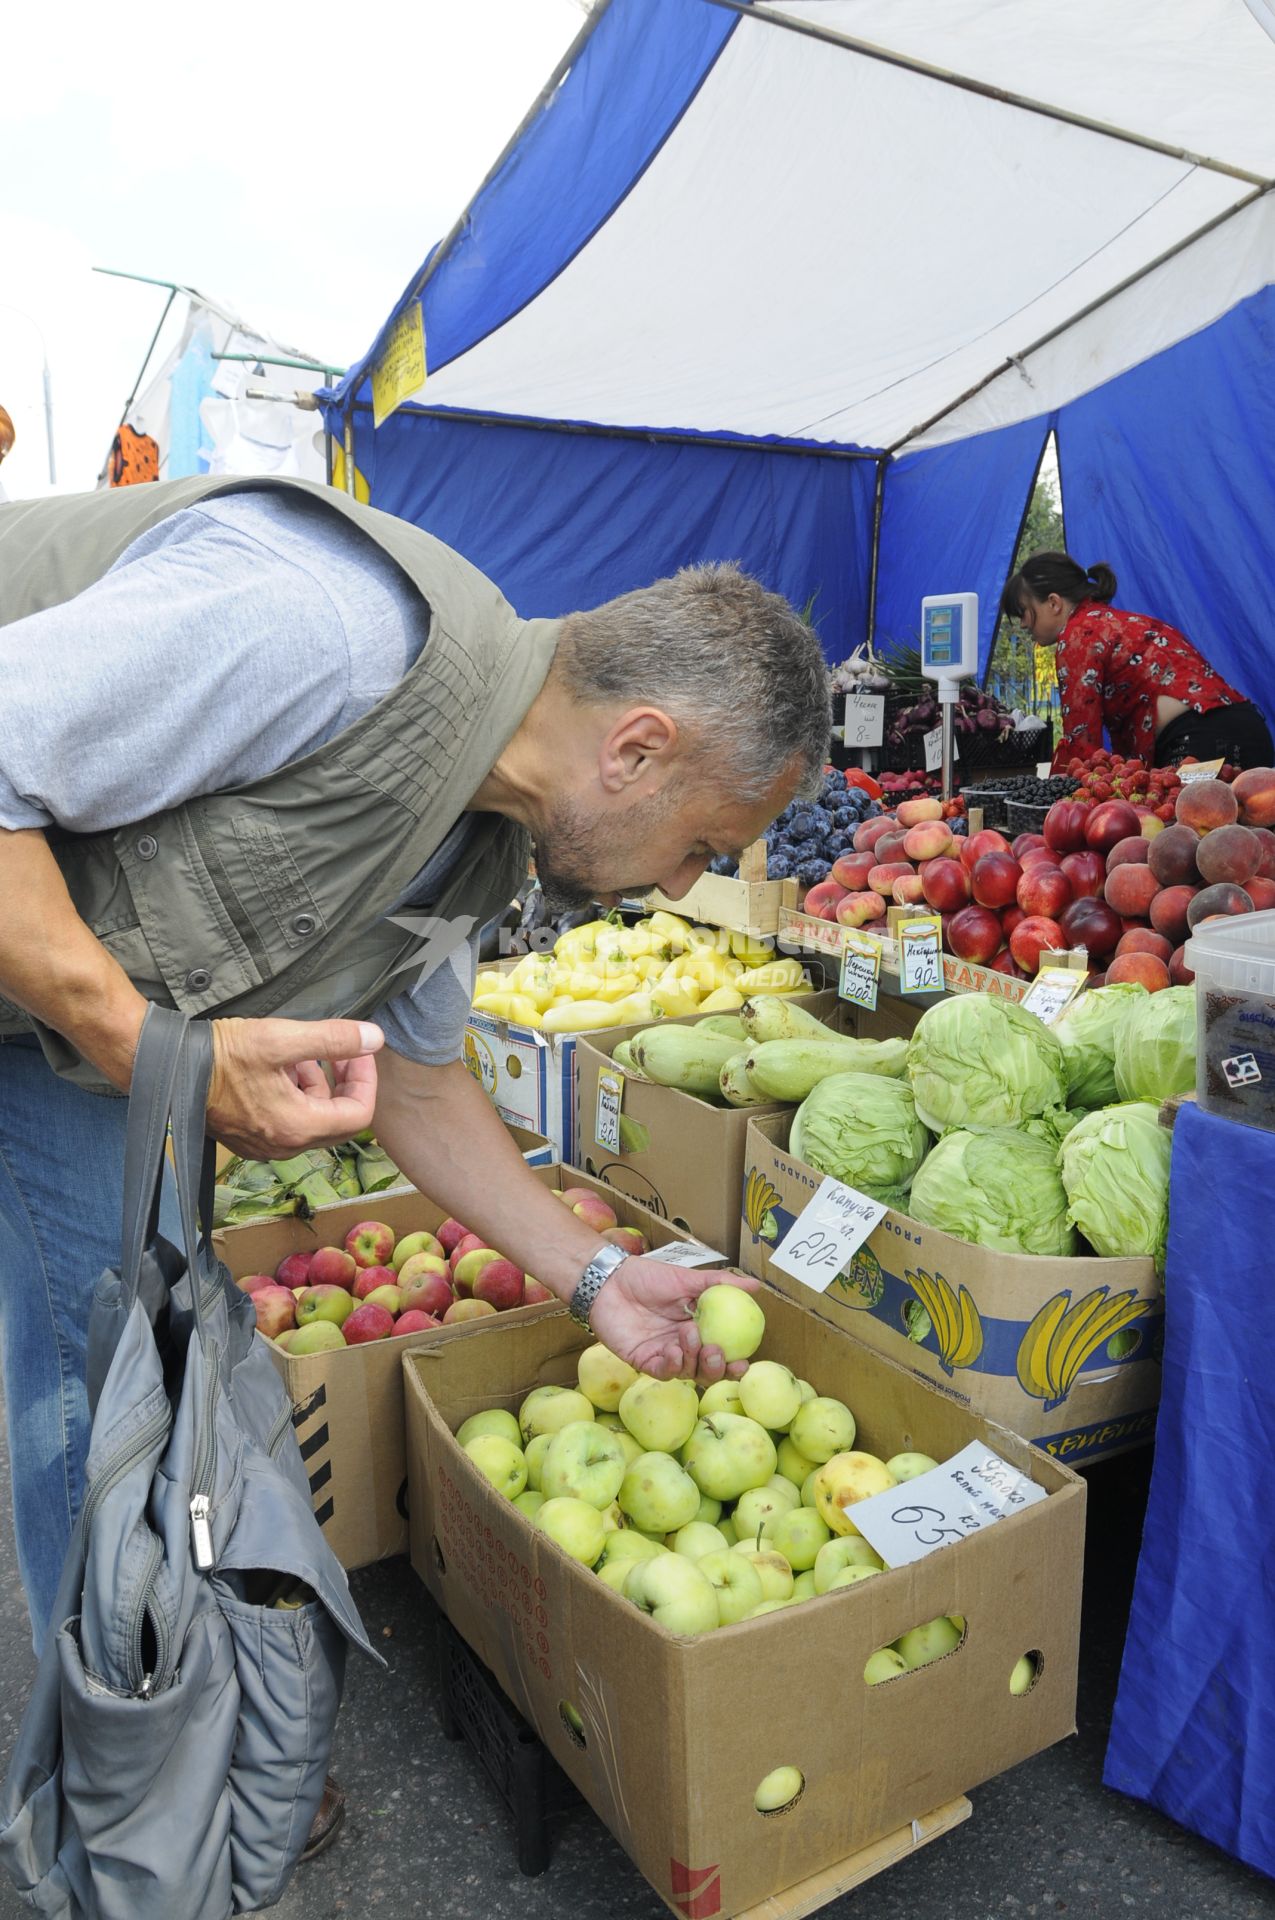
[{"x": 1011, "y": 672}]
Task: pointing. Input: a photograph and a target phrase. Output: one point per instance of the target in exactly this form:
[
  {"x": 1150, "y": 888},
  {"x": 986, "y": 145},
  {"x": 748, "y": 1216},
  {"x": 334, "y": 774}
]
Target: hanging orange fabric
[{"x": 134, "y": 458}]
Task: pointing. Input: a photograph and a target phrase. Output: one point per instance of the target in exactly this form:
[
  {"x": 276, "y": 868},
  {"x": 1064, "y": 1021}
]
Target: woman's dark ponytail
[{"x": 1047, "y": 573}]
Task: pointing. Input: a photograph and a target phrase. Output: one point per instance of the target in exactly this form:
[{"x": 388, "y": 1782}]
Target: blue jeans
[{"x": 61, "y": 1202}]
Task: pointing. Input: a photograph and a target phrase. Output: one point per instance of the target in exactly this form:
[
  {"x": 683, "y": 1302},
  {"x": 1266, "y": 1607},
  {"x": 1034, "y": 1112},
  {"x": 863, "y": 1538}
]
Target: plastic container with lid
[{"x": 1233, "y": 960}]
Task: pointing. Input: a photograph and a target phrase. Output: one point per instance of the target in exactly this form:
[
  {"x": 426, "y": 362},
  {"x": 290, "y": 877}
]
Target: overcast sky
[{"x": 296, "y": 168}]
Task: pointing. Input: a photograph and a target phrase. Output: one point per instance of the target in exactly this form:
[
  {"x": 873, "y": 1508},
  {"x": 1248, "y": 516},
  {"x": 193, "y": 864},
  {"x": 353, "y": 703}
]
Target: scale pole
[{"x": 947, "y": 703}]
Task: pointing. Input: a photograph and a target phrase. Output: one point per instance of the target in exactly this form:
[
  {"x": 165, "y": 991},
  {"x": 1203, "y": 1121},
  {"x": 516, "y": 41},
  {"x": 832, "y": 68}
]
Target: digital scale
[{"x": 949, "y": 654}]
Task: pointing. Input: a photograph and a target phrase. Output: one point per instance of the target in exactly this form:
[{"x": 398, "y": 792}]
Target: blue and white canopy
[{"x": 807, "y": 283}]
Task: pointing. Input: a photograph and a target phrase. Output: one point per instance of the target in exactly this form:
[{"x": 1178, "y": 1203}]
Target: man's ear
[{"x": 639, "y": 746}]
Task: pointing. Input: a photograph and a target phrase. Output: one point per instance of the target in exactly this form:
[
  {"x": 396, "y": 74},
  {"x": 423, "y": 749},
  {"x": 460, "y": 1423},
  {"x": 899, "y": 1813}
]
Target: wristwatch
[{"x": 592, "y": 1281}]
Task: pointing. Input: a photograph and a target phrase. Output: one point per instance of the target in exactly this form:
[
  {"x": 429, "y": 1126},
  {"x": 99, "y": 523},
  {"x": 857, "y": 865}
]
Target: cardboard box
[
  {"x": 681, "y": 1157},
  {"x": 348, "y": 1404},
  {"x": 678, "y": 1731},
  {"x": 529, "y": 1076},
  {"x": 1110, "y": 1403}
]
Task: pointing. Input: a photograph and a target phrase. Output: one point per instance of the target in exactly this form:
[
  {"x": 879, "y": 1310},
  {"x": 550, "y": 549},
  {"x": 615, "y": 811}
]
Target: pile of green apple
[{"x": 703, "y": 1509}]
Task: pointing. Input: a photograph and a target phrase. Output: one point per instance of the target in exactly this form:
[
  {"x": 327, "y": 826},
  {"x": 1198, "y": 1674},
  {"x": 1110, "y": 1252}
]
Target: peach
[
  {"x": 1025, "y": 843},
  {"x": 946, "y": 883},
  {"x": 1086, "y": 872},
  {"x": 501, "y": 1282},
  {"x": 930, "y": 841},
  {"x": 908, "y": 889},
  {"x": 1130, "y": 889},
  {"x": 1267, "y": 841},
  {"x": 1217, "y": 903},
  {"x": 1232, "y": 853},
  {"x": 822, "y": 901},
  {"x": 858, "y": 908},
  {"x": 891, "y": 845},
  {"x": 470, "y": 1265},
  {"x": 1206, "y": 805},
  {"x": 1138, "y": 969},
  {"x": 1261, "y": 892},
  {"x": 911, "y": 813},
  {"x": 1134, "y": 848},
  {"x": 1179, "y": 972},
  {"x": 1039, "y": 857},
  {"x": 986, "y": 840},
  {"x": 1172, "y": 856},
  {"x": 867, "y": 835},
  {"x": 1152, "y": 825},
  {"x": 1143, "y": 940},
  {"x": 1093, "y": 925},
  {"x": 332, "y": 1267},
  {"x": 1108, "y": 822},
  {"x": 1168, "y": 912},
  {"x": 975, "y": 933},
  {"x": 883, "y": 877},
  {"x": 994, "y": 879},
  {"x": 370, "y": 1278},
  {"x": 852, "y": 869},
  {"x": 466, "y": 1310},
  {"x": 1255, "y": 792}
]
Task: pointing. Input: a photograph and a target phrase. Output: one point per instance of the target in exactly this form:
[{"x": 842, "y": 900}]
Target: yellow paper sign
[
  {"x": 1199, "y": 770},
  {"x": 400, "y": 371},
  {"x": 921, "y": 954},
  {"x": 1052, "y": 992}
]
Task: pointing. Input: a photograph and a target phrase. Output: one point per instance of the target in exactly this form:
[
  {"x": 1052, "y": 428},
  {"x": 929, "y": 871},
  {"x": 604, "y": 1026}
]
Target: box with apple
[
  {"x": 347, "y": 1393},
  {"x": 639, "y": 1694},
  {"x": 969, "y": 1318}
]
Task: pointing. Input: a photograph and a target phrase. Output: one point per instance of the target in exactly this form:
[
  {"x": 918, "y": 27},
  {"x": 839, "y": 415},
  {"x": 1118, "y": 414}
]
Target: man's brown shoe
[{"x": 327, "y": 1821}]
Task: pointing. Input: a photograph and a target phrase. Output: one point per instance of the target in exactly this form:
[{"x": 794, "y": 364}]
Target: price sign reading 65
[{"x": 974, "y": 1490}]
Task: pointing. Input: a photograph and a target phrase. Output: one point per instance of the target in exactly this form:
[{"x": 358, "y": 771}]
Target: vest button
[
  {"x": 305, "y": 923},
  {"x": 147, "y": 847},
  {"x": 198, "y": 980}
]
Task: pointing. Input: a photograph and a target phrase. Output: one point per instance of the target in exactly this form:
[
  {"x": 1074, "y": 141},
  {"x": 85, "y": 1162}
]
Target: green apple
[
  {"x": 784, "y": 1489},
  {"x": 821, "y": 1428},
  {"x": 612, "y": 1421},
  {"x": 729, "y": 1318},
  {"x": 673, "y": 1591},
  {"x": 919, "y": 1645},
  {"x": 660, "y": 1414},
  {"x": 499, "y": 1461},
  {"x": 776, "y": 1574},
  {"x": 388, "y": 1297},
  {"x": 709, "y": 1510},
  {"x": 772, "y": 1606},
  {"x": 629, "y": 1544},
  {"x": 657, "y": 1494},
  {"x": 613, "y": 1573},
  {"x": 769, "y": 1394},
  {"x": 906, "y": 1466},
  {"x": 548, "y": 1409},
  {"x": 721, "y": 1397},
  {"x": 884, "y": 1664},
  {"x": 736, "y": 1583},
  {"x": 756, "y": 1511},
  {"x": 324, "y": 1303},
  {"x": 793, "y": 1464},
  {"x": 604, "y": 1377},
  {"x": 415, "y": 1243},
  {"x": 529, "y": 1502},
  {"x": 534, "y": 1453},
  {"x": 803, "y": 1586},
  {"x": 1024, "y": 1674},
  {"x": 844, "y": 1480},
  {"x": 697, "y": 1538},
  {"x": 494, "y": 1420},
  {"x": 585, "y": 1462},
  {"x": 575, "y": 1526},
  {"x": 847, "y": 1550},
  {"x": 727, "y": 1454},
  {"x": 806, "y": 1390},
  {"x": 808, "y": 1487},
  {"x": 320, "y": 1336},
  {"x": 726, "y": 1527},
  {"x": 613, "y": 1517},
  {"x": 799, "y": 1536},
  {"x": 779, "y": 1789},
  {"x": 850, "y": 1577}
]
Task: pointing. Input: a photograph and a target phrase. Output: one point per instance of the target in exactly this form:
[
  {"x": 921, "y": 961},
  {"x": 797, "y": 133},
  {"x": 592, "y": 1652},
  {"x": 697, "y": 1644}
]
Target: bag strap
[{"x": 159, "y": 1049}]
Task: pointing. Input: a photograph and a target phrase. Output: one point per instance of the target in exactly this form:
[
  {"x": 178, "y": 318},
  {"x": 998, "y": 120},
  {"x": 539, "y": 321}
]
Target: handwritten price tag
[
  {"x": 972, "y": 1491},
  {"x": 933, "y": 744},
  {"x": 826, "y": 1235},
  {"x": 865, "y": 720},
  {"x": 860, "y": 973},
  {"x": 606, "y": 1129},
  {"x": 685, "y": 1253},
  {"x": 921, "y": 954},
  {"x": 1200, "y": 770},
  {"x": 1052, "y": 992}
]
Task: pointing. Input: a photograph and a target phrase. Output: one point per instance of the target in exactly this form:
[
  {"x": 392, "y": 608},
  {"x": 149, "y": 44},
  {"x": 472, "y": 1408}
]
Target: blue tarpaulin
[{"x": 1194, "y": 1726}]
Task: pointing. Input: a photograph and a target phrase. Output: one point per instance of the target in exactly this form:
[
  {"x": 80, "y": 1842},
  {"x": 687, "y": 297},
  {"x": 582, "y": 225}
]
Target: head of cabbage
[
  {"x": 1087, "y": 1035},
  {"x": 999, "y": 1189},
  {"x": 863, "y": 1130},
  {"x": 1115, "y": 1167},
  {"x": 1155, "y": 1046},
  {"x": 975, "y": 1062}
]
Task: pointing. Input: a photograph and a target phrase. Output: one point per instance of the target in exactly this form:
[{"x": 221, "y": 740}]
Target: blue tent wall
[
  {"x": 564, "y": 520},
  {"x": 1167, "y": 475}
]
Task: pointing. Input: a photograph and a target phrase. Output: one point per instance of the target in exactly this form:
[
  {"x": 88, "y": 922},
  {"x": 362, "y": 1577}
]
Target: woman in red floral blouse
[{"x": 1158, "y": 699}]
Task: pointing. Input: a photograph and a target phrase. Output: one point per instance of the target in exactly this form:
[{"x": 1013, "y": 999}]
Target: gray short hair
[{"x": 722, "y": 656}]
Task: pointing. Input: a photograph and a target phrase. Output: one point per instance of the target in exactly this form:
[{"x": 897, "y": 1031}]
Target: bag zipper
[
  {"x": 280, "y": 1427},
  {"x": 142, "y": 1683},
  {"x": 140, "y": 1445},
  {"x": 201, "y": 1478}
]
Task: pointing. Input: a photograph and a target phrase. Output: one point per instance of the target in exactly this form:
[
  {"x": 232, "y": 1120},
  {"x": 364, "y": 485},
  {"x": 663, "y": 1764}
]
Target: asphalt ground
[{"x": 426, "y": 1834}]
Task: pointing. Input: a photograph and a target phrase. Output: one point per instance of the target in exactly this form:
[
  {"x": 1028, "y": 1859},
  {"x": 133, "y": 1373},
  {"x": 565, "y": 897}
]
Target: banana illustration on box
[
  {"x": 759, "y": 1199},
  {"x": 863, "y": 1280},
  {"x": 1062, "y": 1336},
  {"x": 954, "y": 1317}
]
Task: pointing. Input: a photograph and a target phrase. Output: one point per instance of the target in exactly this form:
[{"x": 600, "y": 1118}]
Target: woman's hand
[{"x": 645, "y": 1314}]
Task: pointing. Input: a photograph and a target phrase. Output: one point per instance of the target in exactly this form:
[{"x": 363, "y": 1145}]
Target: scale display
[{"x": 949, "y": 636}]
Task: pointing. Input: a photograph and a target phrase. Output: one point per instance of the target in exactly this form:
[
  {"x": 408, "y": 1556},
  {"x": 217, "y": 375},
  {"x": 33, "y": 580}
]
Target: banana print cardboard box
[{"x": 1064, "y": 1352}]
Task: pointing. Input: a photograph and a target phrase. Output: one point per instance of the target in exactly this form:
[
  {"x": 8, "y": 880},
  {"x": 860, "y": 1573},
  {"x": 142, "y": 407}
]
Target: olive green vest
[{"x": 270, "y": 898}]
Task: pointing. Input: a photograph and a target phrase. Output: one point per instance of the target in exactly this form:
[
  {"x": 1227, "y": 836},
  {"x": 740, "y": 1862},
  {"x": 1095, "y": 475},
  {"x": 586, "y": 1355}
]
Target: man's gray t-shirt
[{"x": 229, "y": 640}]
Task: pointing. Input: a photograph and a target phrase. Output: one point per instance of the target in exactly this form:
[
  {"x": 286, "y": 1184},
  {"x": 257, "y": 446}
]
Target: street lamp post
[{"x": 47, "y": 382}]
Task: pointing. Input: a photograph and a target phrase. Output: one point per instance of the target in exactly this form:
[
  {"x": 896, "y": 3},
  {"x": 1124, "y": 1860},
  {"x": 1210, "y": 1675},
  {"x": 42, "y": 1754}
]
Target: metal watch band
[{"x": 592, "y": 1281}]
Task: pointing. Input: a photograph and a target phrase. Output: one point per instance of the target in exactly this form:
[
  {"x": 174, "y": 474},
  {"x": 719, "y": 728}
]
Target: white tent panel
[{"x": 968, "y": 230}]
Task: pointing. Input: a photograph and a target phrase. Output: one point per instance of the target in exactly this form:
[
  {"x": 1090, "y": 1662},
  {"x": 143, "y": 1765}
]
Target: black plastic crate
[
  {"x": 992, "y": 801},
  {"x": 1023, "y": 818},
  {"x": 473, "y": 1707}
]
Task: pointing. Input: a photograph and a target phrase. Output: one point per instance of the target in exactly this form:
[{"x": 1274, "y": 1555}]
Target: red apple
[
  {"x": 501, "y": 1282},
  {"x": 466, "y": 1310},
  {"x": 369, "y": 1321},
  {"x": 332, "y": 1267},
  {"x": 986, "y": 840},
  {"x": 1093, "y": 925},
  {"x": 276, "y": 1309},
  {"x": 373, "y": 1277},
  {"x": 994, "y": 879},
  {"x": 425, "y": 1292},
  {"x": 414, "y": 1321},
  {"x": 293, "y": 1270},
  {"x": 946, "y": 884},
  {"x": 1086, "y": 871},
  {"x": 471, "y": 1243},
  {"x": 975, "y": 934},
  {"x": 254, "y": 1282},
  {"x": 370, "y": 1243},
  {"x": 1065, "y": 826},
  {"x": 535, "y": 1294},
  {"x": 1109, "y": 822},
  {"x": 1043, "y": 892},
  {"x": 1030, "y": 939},
  {"x": 449, "y": 1234},
  {"x": 469, "y": 1266},
  {"x": 628, "y": 1238}
]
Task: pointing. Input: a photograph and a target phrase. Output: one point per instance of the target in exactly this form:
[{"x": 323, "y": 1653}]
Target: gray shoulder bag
[{"x": 173, "y": 1754}]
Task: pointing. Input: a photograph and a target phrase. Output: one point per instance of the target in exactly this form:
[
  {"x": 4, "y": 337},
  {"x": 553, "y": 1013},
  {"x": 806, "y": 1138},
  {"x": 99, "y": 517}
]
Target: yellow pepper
[
  {"x": 508, "y": 1006},
  {"x": 581, "y": 1017}
]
